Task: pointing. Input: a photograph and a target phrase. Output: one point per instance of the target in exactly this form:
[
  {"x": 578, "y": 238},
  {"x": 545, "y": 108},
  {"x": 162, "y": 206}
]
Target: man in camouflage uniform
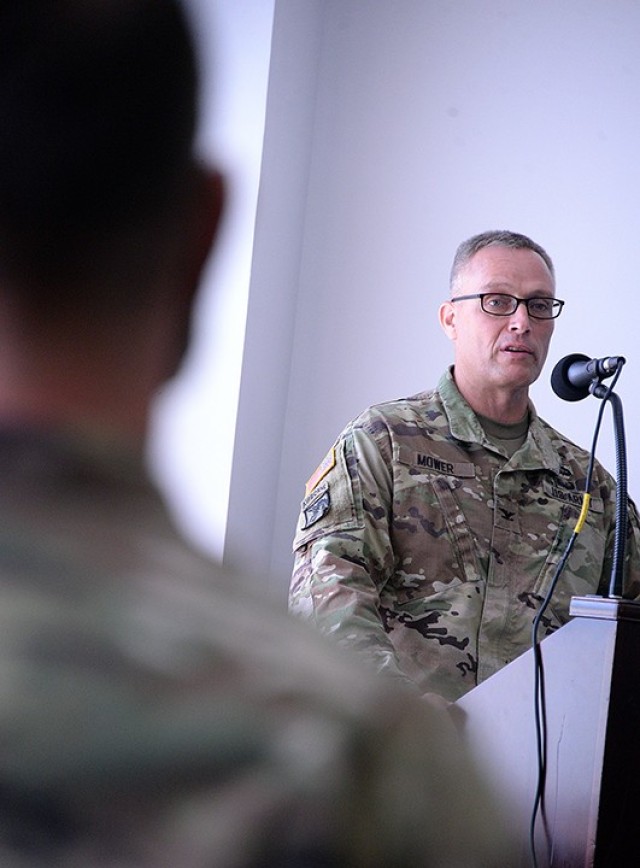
[
  {"x": 431, "y": 532},
  {"x": 154, "y": 712}
]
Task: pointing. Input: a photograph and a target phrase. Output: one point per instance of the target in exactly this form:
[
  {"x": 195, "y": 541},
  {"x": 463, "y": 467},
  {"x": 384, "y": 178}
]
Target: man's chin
[
  {"x": 521, "y": 365},
  {"x": 520, "y": 378}
]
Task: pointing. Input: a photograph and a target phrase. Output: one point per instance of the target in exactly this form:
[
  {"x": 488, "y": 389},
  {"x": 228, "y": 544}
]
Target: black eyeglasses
[{"x": 500, "y": 304}]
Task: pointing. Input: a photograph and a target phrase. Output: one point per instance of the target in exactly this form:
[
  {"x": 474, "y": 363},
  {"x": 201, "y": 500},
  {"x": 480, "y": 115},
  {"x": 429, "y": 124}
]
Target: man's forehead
[{"x": 503, "y": 266}]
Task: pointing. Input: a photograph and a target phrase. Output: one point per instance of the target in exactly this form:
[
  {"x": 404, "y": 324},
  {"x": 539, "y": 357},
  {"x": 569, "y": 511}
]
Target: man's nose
[{"x": 519, "y": 319}]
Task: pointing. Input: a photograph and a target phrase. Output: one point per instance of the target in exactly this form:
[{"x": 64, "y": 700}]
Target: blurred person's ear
[
  {"x": 208, "y": 207},
  {"x": 197, "y": 233}
]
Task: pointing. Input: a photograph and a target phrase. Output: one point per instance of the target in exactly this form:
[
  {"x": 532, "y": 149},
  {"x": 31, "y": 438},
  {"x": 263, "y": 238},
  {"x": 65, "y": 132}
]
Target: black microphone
[{"x": 573, "y": 376}]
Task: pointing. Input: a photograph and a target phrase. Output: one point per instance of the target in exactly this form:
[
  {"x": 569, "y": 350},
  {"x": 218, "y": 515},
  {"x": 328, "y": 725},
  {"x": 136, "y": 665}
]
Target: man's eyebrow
[{"x": 505, "y": 286}]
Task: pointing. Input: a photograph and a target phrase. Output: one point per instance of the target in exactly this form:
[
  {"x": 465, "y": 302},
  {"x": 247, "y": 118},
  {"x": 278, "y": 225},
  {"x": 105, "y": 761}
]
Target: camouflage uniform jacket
[
  {"x": 424, "y": 546},
  {"x": 158, "y": 711}
]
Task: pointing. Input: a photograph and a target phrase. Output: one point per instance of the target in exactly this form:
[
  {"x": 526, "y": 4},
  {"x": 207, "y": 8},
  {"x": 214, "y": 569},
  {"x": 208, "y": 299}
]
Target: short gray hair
[{"x": 495, "y": 238}]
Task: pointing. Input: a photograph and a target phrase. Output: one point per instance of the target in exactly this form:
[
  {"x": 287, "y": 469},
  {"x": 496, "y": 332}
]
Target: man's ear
[{"x": 447, "y": 316}]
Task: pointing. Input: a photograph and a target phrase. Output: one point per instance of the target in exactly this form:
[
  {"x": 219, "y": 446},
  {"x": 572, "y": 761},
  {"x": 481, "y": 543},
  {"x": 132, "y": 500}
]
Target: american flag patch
[{"x": 327, "y": 463}]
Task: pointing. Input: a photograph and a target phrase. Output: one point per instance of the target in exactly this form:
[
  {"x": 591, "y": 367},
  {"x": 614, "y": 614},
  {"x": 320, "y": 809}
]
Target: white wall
[
  {"x": 393, "y": 131},
  {"x": 194, "y": 424}
]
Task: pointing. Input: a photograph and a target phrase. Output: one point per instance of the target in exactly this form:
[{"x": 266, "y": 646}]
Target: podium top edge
[{"x": 607, "y": 608}]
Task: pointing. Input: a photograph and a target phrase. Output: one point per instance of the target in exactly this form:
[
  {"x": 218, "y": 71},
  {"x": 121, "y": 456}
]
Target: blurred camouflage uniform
[
  {"x": 154, "y": 714},
  {"x": 422, "y": 544}
]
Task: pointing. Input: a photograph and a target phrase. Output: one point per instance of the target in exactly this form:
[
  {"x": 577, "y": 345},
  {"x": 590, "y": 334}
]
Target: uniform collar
[{"x": 536, "y": 453}]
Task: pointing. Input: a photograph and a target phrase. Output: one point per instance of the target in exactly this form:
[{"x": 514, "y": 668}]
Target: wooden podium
[{"x": 592, "y": 794}]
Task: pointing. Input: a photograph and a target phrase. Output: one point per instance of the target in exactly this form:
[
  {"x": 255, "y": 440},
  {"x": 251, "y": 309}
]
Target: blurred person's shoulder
[{"x": 176, "y": 706}]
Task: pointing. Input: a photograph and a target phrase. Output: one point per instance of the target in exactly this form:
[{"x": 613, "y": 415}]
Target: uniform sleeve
[{"x": 343, "y": 552}]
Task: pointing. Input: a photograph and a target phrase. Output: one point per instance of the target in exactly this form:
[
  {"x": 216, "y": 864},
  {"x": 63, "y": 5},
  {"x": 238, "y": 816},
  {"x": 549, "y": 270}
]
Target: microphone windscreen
[{"x": 560, "y": 382}]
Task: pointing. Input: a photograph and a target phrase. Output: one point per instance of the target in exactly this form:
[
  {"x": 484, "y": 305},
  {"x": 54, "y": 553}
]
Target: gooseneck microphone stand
[{"x": 622, "y": 504}]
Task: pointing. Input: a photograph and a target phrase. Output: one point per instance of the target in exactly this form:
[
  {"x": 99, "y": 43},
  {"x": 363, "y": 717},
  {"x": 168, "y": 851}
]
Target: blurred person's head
[{"x": 106, "y": 219}]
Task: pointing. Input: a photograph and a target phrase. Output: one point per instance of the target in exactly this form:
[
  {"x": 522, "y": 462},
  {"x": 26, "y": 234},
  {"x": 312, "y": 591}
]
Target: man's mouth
[{"x": 512, "y": 348}]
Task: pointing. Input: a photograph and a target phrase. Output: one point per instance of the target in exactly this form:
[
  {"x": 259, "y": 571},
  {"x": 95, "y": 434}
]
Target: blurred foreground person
[{"x": 153, "y": 713}]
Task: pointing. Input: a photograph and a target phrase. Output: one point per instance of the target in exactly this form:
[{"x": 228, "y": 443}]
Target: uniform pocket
[{"x": 429, "y": 525}]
